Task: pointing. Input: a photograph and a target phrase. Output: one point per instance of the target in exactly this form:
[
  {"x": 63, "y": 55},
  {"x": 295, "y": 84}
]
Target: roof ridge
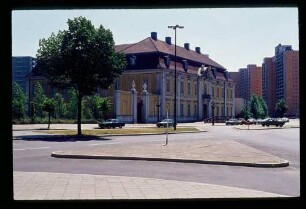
[
  {"x": 154, "y": 44},
  {"x": 133, "y": 44}
]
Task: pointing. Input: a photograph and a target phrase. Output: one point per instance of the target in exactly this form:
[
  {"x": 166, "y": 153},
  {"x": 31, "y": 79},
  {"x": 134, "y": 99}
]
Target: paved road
[{"x": 284, "y": 143}]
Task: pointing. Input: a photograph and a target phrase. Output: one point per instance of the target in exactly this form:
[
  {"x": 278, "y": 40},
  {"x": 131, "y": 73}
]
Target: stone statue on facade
[
  {"x": 133, "y": 86},
  {"x": 144, "y": 87}
]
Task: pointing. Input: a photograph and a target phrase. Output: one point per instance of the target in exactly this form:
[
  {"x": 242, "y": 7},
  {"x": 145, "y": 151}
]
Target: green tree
[
  {"x": 82, "y": 57},
  {"x": 49, "y": 106},
  {"x": 39, "y": 99},
  {"x": 103, "y": 106},
  {"x": 18, "y": 102},
  {"x": 72, "y": 104},
  {"x": 281, "y": 107},
  {"x": 246, "y": 111},
  {"x": 97, "y": 106},
  {"x": 264, "y": 107},
  {"x": 60, "y": 106},
  {"x": 88, "y": 107},
  {"x": 258, "y": 107}
]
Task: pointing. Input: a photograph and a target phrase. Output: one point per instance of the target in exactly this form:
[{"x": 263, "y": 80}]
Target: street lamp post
[
  {"x": 174, "y": 27},
  {"x": 158, "y": 105}
]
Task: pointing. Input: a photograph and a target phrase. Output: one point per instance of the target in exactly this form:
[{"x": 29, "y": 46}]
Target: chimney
[
  {"x": 154, "y": 35},
  {"x": 198, "y": 50},
  {"x": 168, "y": 40},
  {"x": 186, "y": 45}
]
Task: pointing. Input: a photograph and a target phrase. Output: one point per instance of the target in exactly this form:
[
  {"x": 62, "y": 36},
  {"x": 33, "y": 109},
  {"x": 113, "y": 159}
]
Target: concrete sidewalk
[
  {"x": 222, "y": 152},
  {"x": 61, "y": 186}
]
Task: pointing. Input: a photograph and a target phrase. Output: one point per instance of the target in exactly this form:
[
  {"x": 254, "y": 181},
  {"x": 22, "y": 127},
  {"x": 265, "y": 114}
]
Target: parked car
[
  {"x": 272, "y": 121},
  {"x": 164, "y": 122},
  {"x": 233, "y": 121},
  {"x": 251, "y": 121},
  {"x": 285, "y": 119},
  {"x": 242, "y": 121},
  {"x": 111, "y": 123}
]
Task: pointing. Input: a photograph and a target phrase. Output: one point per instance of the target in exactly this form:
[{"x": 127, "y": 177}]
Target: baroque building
[{"x": 144, "y": 93}]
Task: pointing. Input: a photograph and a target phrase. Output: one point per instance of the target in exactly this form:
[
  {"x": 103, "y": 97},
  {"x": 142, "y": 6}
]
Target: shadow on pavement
[{"x": 60, "y": 138}]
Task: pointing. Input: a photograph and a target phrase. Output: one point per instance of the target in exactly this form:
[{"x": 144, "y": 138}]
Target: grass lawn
[{"x": 124, "y": 131}]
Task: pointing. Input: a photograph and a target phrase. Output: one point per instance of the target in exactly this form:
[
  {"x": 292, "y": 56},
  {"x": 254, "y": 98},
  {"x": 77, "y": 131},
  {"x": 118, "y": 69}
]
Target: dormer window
[
  {"x": 213, "y": 70},
  {"x": 185, "y": 65},
  {"x": 167, "y": 61},
  {"x": 133, "y": 60},
  {"x": 226, "y": 75}
]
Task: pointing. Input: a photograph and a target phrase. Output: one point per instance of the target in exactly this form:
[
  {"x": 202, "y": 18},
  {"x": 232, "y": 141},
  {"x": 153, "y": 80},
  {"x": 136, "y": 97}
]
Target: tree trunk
[
  {"x": 80, "y": 97},
  {"x": 49, "y": 120}
]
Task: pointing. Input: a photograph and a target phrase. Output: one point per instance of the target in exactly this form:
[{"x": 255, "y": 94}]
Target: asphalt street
[{"x": 35, "y": 156}]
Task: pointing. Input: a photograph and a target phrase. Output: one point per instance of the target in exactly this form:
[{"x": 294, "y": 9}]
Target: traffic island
[
  {"x": 219, "y": 152},
  {"x": 260, "y": 127}
]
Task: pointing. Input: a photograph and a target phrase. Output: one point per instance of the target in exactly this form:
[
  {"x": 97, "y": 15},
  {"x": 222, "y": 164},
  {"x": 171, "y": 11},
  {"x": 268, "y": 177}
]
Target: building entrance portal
[
  {"x": 139, "y": 112},
  {"x": 205, "y": 115}
]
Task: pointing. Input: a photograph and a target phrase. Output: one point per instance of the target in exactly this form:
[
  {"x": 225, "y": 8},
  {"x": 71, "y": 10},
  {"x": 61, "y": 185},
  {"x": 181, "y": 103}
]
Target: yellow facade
[
  {"x": 188, "y": 88},
  {"x": 125, "y": 104}
]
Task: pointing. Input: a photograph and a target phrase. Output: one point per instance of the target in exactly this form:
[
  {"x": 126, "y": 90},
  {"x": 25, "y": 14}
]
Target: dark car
[
  {"x": 111, "y": 123},
  {"x": 164, "y": 122},
  {"x": 272, "y": 121},
  {"x": 233, "y": 121}
]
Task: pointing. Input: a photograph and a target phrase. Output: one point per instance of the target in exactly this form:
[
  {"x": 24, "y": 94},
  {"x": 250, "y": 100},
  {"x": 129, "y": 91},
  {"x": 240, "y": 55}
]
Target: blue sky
[{"x": 233, "y": 37}]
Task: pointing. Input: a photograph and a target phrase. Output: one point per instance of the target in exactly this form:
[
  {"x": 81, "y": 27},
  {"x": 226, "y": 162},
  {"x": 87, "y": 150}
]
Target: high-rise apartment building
[
  {"x": 255, "y": 80},
  {"x": 249, "y": 81},
  {"x": 291, "y": 82},
  {"x": 269, "y": 83},
  {"x": 21, "y": 66},
  {"x": 243, "y": 83},
  {"x": 281, "y": 79}
]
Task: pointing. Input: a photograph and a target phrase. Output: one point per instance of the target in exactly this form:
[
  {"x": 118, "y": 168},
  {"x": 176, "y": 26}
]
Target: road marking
[
  {"x": 104, "y": 143},
  {"x": 31, "y": 148},
  {"x": 31, "y": 156}
]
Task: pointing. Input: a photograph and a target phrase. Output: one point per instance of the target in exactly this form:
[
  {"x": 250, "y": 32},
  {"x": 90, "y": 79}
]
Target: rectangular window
[
  {"x": 182, "y": 109},
  {"x": 188, "y": 87},
  {"x": 189, "y": 113},
  {"x": 205, "y": 91},
  {"x": 168, "y": 85},
  {"x": 195, "y": 89},
  {"x": 195, "y": 110},
  {"x": 116, "y": 85},
  {"x": 182, "y": 87}
]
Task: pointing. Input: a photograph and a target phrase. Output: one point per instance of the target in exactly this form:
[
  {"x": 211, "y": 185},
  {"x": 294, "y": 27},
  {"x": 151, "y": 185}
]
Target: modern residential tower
[
  {"x": 21, "y": 66},
  {"x": 281, "y": 79}
]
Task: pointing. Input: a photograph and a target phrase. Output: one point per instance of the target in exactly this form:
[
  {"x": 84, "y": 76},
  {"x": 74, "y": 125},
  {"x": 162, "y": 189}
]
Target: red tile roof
[
  {"x": 150, "y": 45},
  {"x": 121, "y": 47}
]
